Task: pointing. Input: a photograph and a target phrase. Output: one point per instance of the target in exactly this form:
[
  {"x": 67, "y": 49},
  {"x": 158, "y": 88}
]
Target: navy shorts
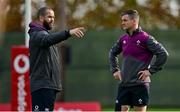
[
  {"x": 43, "y": 99},
  {"x": 132, "y": 96}
]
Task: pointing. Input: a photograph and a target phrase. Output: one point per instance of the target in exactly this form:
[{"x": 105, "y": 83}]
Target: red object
[
  {"x": 20, "y": 87},
  {"x": 5, "y": 107},
  {"x": 77, "y": 106}
]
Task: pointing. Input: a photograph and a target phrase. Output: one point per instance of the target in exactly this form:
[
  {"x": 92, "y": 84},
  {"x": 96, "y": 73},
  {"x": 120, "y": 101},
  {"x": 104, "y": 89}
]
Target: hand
[
  {"x": 144, "y": 74},
  {"x": 78, "y": 32},
  {"x": 117, "y": 75}
]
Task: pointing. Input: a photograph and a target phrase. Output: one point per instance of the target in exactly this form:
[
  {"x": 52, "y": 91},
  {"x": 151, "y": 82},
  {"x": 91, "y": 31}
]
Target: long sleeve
[
  {"x": 160, "y": 52},
  {"x": 44, "y": 39},
  {"x": 113, "y": 59}
]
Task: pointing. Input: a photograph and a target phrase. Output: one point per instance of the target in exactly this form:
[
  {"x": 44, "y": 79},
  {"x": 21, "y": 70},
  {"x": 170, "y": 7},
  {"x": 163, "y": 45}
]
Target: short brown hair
[
  {"x": 133, "y": 14},
  {"x": 42, "y": 11}
]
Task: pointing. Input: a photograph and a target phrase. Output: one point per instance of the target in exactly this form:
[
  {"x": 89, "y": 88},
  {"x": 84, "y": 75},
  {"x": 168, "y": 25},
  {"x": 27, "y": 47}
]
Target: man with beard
[
  {"x": 137, "y": 48},
  {"x": 44, "y": 59}
]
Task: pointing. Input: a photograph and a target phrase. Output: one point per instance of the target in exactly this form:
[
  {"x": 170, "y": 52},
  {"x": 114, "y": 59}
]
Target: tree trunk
[{"x": 62, "y": 46}]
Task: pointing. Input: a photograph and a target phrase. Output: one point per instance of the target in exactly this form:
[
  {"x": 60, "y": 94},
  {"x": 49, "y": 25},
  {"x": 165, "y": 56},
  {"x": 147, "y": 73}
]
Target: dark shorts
[
  {"x": 132, "y": 96},
  {"x": 43, "y": 99}
]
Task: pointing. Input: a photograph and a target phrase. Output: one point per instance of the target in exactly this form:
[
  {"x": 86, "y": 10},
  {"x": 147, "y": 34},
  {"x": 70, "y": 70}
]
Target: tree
[
  {"x": 100, "y": 14},
  {"x": 105, "y": 14},
  {"x": 14, "y": 16},
  {"x": 3, "y": 6}
]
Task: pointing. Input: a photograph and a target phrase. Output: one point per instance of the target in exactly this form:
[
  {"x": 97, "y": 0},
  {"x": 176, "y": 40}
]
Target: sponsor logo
[
  {"x": 138, "y": 42},
  {"x": 21, "y": 66},
  {"x": 36, "y": 108},
  {"x": 21, "y": 93},
  {"x": 124, "y": 42},
  {"x": 140, "y": 101},
  {"x": 25, "y": 60}
]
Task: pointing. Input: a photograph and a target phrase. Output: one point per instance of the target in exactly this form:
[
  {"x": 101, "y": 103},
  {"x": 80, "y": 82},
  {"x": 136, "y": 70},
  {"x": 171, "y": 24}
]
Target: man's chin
[
  {"x": 124, "y": 29},
  {"x": 48, "y": 28},
  {"x": 47, "y": 25},
  {"x": 51, "y": 26}
]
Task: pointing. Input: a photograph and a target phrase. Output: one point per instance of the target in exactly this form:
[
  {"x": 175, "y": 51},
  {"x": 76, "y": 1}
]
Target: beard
[{"x": 47, "y": 25}]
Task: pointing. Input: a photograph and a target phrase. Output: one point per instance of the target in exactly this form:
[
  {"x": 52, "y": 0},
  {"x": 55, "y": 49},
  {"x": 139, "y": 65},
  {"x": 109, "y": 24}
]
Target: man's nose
[{"x": 52, "y": 19}]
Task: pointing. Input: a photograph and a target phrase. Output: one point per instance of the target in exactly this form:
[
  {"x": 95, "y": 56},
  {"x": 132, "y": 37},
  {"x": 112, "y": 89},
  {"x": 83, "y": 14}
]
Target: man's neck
[{"x": 132, "y": 30}]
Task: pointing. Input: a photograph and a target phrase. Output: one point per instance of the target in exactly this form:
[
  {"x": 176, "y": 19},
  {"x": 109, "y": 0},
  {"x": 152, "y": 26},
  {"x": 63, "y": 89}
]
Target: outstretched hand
[{"x": 78, "y": 32}]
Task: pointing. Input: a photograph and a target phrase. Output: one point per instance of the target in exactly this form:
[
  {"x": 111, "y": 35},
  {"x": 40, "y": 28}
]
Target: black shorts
[
  {"x": 43, "y": 99},
  {"x": 132, "y": 96}
]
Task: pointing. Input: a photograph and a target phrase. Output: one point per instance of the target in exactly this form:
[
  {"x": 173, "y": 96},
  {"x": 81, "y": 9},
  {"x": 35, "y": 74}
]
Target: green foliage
[
  {"x": 104, "y": 14},
  {"x": 154, "y": 14}
]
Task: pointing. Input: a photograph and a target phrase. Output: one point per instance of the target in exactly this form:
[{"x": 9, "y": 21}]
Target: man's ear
[
  {"x": 41, "y": 18},
  {"x": 134, "y": 21}
]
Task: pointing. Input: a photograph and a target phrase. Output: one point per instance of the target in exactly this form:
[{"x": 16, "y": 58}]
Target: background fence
[{"x": 87, "y": 75}]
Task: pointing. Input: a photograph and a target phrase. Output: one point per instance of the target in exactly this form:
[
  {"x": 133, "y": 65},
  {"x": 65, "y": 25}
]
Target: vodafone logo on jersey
[{"x": 20, "y": 88}]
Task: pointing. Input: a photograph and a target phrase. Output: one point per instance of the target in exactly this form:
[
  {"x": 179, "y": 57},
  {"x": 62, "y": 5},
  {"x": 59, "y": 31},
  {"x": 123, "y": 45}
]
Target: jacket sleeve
[
  {"x": 44, "y": 39},
  {"x": 160, "y": 52},
  {"x": 113, "y": 59}
]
